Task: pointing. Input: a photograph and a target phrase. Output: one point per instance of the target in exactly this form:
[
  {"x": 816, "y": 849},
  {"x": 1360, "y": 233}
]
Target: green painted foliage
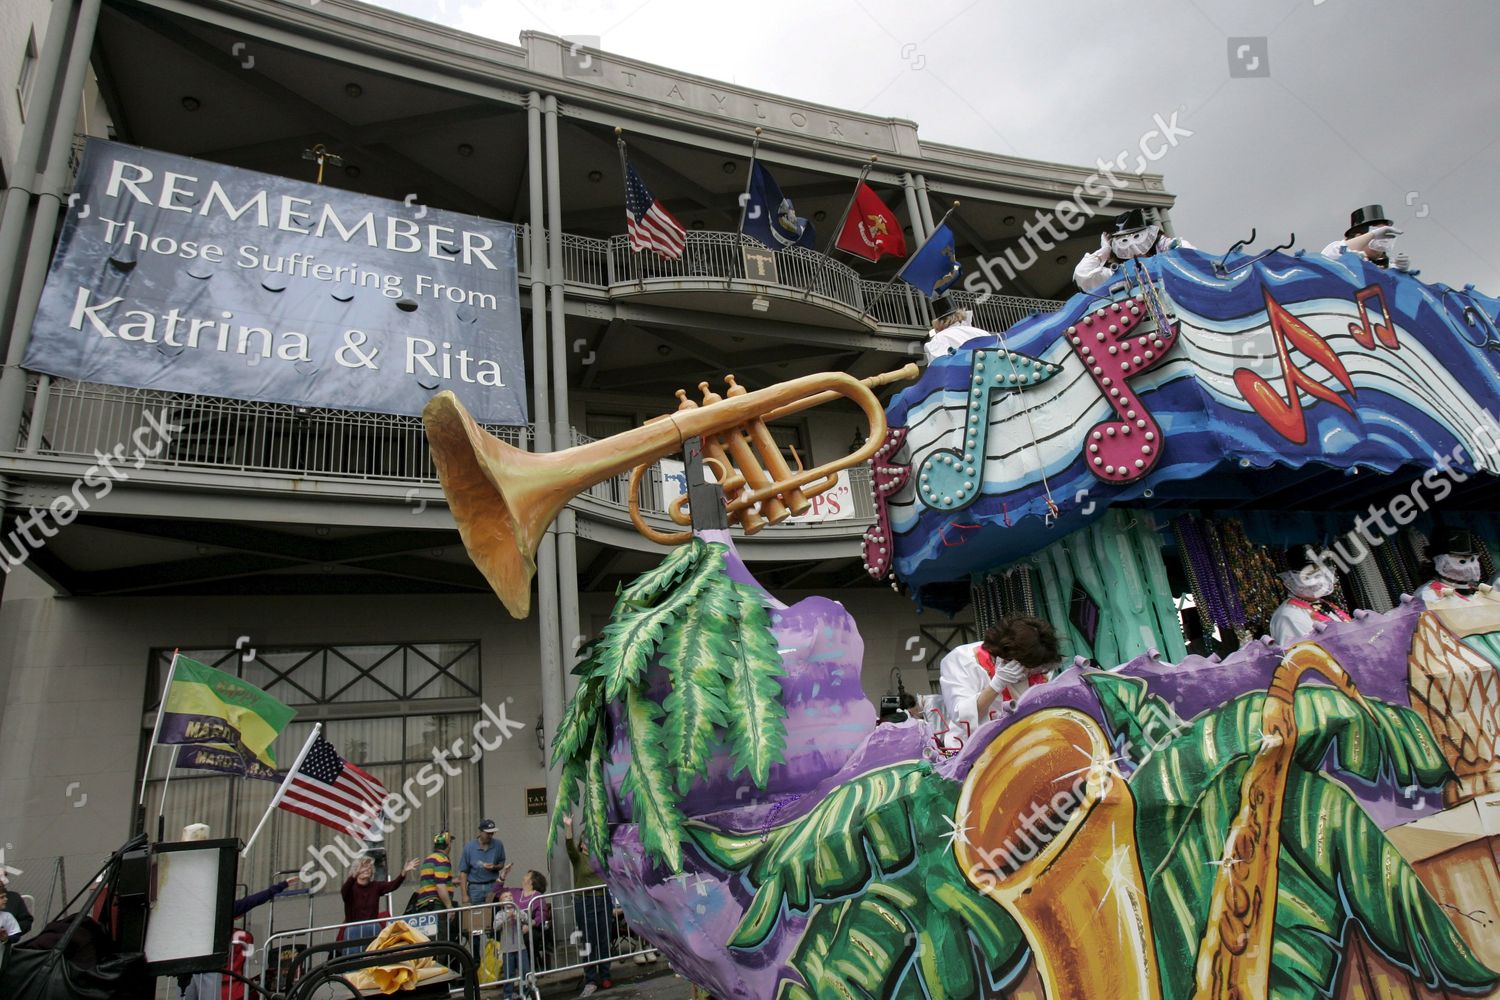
[
  {"x": 713, "y": 638},
  {"x": 891, "y": 914},
  {"x": 1335, "y": 865}
]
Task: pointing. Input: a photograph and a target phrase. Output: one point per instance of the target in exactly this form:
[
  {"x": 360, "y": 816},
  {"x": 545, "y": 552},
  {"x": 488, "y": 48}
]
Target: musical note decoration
[
  {"x": 950, "y": 478},
  {"x": 1366, "y": 333},
  {"x": 1115, "y": 346},
  {"x": 1285, "y": 415},
  {"x": 886, "y": 477}
]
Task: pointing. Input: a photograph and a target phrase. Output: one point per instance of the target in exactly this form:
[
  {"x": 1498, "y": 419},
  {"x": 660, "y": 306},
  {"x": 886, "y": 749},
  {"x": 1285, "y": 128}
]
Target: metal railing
[
  {"x": 710, "y": 255},
  {"x": 240, "y": 435},
  {"x": 590, "y": 262},
  {"x": 556, "y": 936}
]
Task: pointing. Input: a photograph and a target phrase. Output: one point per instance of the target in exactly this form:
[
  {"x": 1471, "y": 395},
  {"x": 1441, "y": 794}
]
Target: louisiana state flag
[
  {"x": 934, "y": 267},
  {"x": 769, "y": 215},
  {"x": 871, "y": 230}
]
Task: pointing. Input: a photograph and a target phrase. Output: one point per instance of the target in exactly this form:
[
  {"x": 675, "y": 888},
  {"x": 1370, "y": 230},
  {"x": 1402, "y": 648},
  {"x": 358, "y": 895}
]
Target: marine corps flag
[{"x": 870, "y": 229}]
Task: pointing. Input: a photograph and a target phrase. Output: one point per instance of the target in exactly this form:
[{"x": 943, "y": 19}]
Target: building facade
[{"x": 310, "y": 550}]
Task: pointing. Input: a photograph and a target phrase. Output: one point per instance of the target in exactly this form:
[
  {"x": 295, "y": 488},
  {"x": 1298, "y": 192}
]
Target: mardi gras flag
[{"x": 207, "y": 707}]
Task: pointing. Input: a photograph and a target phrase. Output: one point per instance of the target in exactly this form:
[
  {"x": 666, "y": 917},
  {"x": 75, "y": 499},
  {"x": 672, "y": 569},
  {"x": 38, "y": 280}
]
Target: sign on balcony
[
  {"x": 188, "y": 276},
  {"x": 836, "y": 504}
]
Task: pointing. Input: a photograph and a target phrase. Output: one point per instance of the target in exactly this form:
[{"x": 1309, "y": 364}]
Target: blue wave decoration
[{"x": 1292, "y": 364}]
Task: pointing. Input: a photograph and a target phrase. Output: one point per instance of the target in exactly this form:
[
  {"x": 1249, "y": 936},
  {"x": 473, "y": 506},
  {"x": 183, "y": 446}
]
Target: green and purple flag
[{"x": 228, "y": 724}]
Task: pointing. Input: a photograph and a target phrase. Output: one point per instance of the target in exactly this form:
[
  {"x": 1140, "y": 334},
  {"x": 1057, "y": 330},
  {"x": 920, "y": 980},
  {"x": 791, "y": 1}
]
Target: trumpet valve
[
  {"x": 709, "y": 396},
  {"x": 683, "y": 403}
]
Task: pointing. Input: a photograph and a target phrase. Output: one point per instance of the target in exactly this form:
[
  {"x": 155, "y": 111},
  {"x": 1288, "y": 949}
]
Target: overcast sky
[{"x": 1363, "y": 100}]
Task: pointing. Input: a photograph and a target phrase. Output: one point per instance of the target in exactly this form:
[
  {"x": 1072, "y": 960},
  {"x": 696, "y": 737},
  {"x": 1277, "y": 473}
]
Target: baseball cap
[{"x": 487, "y": 826}]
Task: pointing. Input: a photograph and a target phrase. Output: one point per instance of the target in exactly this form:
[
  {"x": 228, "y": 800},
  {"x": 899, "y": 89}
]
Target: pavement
[{"x": 662, "y": 985}]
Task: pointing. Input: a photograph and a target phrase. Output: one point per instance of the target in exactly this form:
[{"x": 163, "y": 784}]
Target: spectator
[
  {"x": 481, "y": 864},
  {"x": 16, "y": 907},
  {"x": 519, "y": 913},
  {"x": 10, "y": 928},
  {"x": 952, "y": 327},
  {"x": 1371, "y": 236},
  {"x": 434, "y": 878},
  {"x": 1129, "y": 237},
  {"x": 592, "y": 913},
  {"x": 1014, "y": 655},
  {"x": 362, "y": 896}
]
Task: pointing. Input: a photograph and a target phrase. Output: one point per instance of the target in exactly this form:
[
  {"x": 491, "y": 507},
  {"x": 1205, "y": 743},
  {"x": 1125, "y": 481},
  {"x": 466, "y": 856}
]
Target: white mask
[
  {"x": 1130, "y": 245},
  {"x": 1459, "y": 569},
  {"x": 1310, "y": 583}
]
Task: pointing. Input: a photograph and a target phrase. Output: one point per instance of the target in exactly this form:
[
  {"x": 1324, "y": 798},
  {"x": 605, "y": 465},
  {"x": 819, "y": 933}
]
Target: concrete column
[
  {"x": 49, "y": 202},
  {"x": 566, "y": 529},
  {"x": 924, "y": 204},
  {"x": 26, "y": 170},
  {"x": 1165, "y": 216},
  {"x": 919, "y": 230},
  {"x": 550, "y": 657}
]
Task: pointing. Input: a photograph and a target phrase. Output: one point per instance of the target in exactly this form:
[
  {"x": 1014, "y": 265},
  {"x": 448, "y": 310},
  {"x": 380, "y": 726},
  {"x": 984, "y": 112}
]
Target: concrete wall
[
  {"x": 73, "y": 677},
  {"x": 18, "y": 18}
]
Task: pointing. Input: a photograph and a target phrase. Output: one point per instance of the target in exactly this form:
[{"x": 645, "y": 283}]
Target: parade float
[{"x": 1235, "y": 820}]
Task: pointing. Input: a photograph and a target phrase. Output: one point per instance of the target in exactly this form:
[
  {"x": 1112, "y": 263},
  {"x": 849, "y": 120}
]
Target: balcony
[{"x": 809, "y": 286}]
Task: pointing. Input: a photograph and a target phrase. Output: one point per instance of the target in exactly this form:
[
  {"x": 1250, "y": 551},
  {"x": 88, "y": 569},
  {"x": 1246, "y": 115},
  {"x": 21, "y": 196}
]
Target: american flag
[
  {"x": 651, "y": 227},
  {"x": 328, "y": 789}
]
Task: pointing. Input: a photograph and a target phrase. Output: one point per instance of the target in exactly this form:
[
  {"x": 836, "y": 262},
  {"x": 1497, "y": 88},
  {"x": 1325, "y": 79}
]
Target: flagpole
[
  {"x": 870, "y": 309},
  {"x": 749, "y": 176},
  {"x": 156, "y": 732},
  {"x": 854, "y": 196},
  {"x": 281, "y": 792},
  {"x": 635, "y": 257},
  {"x": 161, "y": 807}
]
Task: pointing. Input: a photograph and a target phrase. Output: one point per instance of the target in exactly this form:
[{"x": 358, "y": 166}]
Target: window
[
  {"x": 370, "y": 699},
  {"x": 28, "y": 73}
]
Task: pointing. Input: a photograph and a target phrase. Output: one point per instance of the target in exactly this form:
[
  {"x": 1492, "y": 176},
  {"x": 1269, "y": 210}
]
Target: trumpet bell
[{"x": 479, "y": 473}]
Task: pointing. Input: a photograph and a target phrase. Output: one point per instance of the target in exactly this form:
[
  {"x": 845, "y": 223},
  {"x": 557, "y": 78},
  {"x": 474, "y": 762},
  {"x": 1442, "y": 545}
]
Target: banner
[
  {"x": 836, "y": 504},
  {"x": 189, "y": 276}
]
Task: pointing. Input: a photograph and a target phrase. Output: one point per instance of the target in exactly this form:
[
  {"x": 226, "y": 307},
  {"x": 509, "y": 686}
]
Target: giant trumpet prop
[{"x": 503, "y": 498}]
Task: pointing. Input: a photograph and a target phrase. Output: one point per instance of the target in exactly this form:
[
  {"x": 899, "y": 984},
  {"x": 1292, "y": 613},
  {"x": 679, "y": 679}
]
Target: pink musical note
[
  {"x": 1364, "y": 331},
  {"x": 1114, "y": 349},
  {"x": 886, "y": 477}
]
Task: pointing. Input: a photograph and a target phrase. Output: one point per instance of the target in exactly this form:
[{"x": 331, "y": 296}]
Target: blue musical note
[{"x": 950, "y": 478}]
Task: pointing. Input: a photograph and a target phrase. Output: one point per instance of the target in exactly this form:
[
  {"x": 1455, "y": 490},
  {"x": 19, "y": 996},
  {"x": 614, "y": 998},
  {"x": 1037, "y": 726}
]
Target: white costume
[
  {"x": 941, "y": 343},
  {"x": 1092, "y": 271},
  {"x": 963, "y": 679},
  {"x": 1454, "y": 571},
  {"x": 1297, "y": 615}
]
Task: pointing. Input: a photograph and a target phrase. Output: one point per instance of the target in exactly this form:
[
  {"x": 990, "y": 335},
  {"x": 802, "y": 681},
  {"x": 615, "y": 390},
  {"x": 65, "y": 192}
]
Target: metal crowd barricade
[
  {"x": 569, "y": 932},
  {"x": 471, "y": 927}
]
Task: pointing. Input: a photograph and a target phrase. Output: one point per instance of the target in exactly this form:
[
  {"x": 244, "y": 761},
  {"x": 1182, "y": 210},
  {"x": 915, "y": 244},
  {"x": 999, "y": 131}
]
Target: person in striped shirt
[{"x": 435, "y": 877}]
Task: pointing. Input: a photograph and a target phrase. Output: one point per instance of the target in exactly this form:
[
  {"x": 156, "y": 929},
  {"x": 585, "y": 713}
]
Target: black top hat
[
  {"x": 1454, "y": 541},
  {"x": 1129, "y": 222},
  {"x": 1295, "y": 558},
  {"x": 1363, "y": 218},
  {"x": 943, "y": 306}
]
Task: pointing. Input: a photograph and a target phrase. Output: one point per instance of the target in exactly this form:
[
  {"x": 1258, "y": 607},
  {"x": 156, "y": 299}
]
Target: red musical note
[
  {"x": 1123, "y": 450},
  {"x": 1285, "y": 415},
  {"x": 1364, "y": 331}
]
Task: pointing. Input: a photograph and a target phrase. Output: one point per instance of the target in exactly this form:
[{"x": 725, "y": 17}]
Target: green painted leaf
[
  {"x": 579, "y": 720},
  {"x": 631, "y": 638},
  {"x": 1327, "y": 833},
  {"x": 752, "y": 668},
  {"x": 653, "y": 800},
  {"x": 691, "y": 652},
  {"x": 644, "y": 589},
  {"x": 567, "y": 794},
  {"x": 596, "y": 796}
]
